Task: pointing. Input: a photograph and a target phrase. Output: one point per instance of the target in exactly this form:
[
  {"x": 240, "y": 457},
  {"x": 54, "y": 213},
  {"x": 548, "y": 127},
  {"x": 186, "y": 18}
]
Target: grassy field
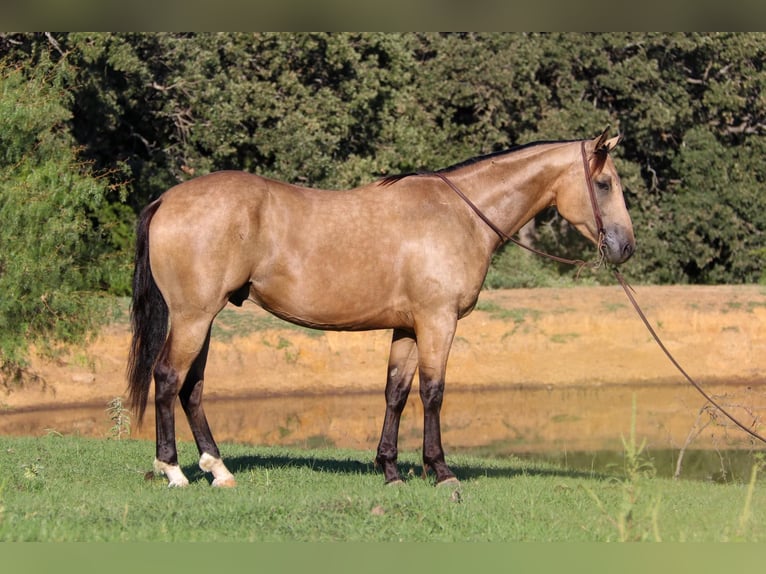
[{"x": 57, "y": 488}]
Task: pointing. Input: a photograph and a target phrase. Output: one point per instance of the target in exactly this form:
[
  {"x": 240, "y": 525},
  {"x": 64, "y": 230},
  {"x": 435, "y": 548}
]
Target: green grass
[{"x": 58, "y": 488}]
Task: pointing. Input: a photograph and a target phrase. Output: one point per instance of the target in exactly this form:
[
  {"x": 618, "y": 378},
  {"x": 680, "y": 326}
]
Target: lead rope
[
  {"x": 596, "y": 264},
  {"x": 627, "y": 288}
]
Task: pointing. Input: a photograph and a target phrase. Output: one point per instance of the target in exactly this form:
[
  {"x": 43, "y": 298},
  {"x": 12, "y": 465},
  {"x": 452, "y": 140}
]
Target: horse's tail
[{"x": 148, "y": 318}]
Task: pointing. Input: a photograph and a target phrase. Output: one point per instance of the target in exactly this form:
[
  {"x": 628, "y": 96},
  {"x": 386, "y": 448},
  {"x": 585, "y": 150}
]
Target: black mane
[{"x": 392, "y": 179}]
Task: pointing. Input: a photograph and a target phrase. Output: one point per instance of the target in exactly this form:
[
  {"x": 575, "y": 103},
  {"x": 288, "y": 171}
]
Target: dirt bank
[{"x": 525, "y": 337}]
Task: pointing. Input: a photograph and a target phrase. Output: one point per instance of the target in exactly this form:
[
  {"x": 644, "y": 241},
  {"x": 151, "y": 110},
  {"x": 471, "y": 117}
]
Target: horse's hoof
[
  {"x": 175, "y": 476},
  {"x": 449, "y": 481},
  {"x": 228, "y": 482},
  {"x": 395, "y": 482}
]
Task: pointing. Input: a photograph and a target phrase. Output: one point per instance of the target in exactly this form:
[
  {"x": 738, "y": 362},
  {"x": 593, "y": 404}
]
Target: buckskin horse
[{"x": 407, "y": 253}]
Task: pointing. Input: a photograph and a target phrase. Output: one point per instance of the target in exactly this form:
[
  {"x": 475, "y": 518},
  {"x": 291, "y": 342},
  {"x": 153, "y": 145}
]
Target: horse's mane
[{"x": 392, "y": 179}]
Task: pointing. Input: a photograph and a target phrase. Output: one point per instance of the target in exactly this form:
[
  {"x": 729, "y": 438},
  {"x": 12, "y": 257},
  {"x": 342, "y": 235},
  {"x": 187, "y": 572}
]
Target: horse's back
[{"x": 220, "y": 189}]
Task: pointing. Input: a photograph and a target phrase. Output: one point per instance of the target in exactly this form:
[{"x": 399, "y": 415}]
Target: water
[
  {"x": 576, "y": 427},
  {"x": 710, "y": 465}
]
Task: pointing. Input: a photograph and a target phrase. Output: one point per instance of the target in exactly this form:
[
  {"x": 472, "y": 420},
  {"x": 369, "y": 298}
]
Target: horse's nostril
[{"x": 628, "y": 250}]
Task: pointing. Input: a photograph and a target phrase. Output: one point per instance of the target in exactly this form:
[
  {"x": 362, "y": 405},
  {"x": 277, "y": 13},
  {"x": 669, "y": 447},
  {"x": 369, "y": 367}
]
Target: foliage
[
  {"x": 335, "y": 110},
  {"x": 54, "y": 258}
]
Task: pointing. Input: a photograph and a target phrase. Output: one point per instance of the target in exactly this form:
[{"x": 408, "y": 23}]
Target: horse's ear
[
  {"x": 603, "y": 143},
  {"x": 610, "y": 144}
]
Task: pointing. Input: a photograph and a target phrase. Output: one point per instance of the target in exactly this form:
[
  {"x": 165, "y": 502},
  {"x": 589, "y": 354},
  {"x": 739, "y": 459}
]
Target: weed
[
  {"x": 745, "y": 516},
  {"x": 32, "y": 471},
  {"x": 33, "y": 475},
  {"x": 120, "y": 417},
  {"x": 709, "y": 415},
  {"x": 752, "y": 305},
  {"x": 290, "y": 353},
  {"x": 637, "y": 468}
]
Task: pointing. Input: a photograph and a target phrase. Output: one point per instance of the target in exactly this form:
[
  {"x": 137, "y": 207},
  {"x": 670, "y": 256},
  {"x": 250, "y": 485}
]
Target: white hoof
[
  {"x": 225, "y": 482},
  {"x": 221, "y": 475},
  {"x": 173, "y": 472}
]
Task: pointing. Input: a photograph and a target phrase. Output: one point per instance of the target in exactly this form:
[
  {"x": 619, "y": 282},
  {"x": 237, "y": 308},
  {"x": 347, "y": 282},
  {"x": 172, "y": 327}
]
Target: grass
[{"x": 58, "y": 488}]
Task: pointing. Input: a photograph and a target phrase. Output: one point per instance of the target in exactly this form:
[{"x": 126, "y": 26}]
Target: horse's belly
[{"x": 323, "y": 306}]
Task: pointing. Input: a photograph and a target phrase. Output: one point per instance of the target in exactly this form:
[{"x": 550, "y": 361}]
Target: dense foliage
[
  {"x": 337, "y": 110},
  {"x": 56, "y": 254}
]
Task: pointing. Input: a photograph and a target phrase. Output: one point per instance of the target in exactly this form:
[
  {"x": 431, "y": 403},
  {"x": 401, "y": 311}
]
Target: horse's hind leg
[
  {"x": 191, "y": 401},
  {"x": 402, "y": 363},
  {"x": 182, "y": 347}
]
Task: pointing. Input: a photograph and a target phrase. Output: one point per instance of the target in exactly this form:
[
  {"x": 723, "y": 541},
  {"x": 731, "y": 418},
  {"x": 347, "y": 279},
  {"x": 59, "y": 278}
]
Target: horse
[{"x": 408, "y": 253}]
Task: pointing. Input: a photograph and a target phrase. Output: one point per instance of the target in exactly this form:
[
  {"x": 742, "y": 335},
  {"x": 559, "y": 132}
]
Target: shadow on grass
[{"x": 409, "y": 471}]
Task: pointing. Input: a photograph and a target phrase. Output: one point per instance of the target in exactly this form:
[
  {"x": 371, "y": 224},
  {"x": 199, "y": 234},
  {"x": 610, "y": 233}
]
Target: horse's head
[{"x": 575, "y": 202}]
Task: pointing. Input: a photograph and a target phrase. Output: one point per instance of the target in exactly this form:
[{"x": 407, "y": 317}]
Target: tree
[
  {"x": 53, "y": 258},
  {"x": 335, "y": 110}
]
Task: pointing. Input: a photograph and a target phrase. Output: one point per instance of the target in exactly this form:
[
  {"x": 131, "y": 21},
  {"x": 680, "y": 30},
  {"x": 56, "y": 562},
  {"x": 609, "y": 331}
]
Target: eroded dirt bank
[{"x": 525, "y": 337}]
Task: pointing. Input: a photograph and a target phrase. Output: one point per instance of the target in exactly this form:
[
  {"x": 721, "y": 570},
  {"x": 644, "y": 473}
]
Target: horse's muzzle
[{"x": 619, "y": 246}]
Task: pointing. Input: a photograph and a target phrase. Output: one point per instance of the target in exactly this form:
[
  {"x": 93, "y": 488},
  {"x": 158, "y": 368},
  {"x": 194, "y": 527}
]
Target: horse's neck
[{"x": 510, "y": 191}]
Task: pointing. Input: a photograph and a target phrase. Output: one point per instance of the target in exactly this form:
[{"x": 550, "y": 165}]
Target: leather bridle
[
  {"x": 580, "y": 264},
  {"x": 504, "y": 237}
]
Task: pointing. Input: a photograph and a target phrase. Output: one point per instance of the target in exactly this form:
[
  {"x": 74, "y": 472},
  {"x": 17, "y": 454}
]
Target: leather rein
[{"x": 580, "y": 264}]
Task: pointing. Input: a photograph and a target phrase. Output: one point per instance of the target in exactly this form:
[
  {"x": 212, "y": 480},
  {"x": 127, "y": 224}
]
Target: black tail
[{"x": 148, "y": 317}]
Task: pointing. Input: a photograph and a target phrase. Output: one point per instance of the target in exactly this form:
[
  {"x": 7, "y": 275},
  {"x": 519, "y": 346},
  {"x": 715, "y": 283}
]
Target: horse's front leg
[
  {"x": 402, "y": 363},
  {"x": 434, "y": 344}
]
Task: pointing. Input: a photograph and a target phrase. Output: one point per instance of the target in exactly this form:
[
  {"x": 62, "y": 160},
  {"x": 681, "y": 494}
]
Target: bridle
[
  {"x": 601, "y": 233},
  {"x": 504, "y": 237},
  {"x": 600, "y": 259}
]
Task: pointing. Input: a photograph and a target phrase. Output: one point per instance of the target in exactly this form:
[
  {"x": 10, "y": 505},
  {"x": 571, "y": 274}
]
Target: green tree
[
  {"x": 52, "y": 261},
  {"x": 717, "y": 234},
  {"x": 336, "y": 110}
]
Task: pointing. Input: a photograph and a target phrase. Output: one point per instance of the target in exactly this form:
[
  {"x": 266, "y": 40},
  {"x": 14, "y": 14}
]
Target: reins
[
  {"x": 580, "y": 264},
  {"x": 627, "y": 288}
]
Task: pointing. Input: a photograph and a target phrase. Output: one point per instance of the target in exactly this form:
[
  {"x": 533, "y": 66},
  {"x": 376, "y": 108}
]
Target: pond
[{"x": 578, "y": 427}]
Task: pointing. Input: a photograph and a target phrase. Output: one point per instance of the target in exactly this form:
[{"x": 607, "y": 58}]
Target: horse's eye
[{"x": 604, "y": 185}]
